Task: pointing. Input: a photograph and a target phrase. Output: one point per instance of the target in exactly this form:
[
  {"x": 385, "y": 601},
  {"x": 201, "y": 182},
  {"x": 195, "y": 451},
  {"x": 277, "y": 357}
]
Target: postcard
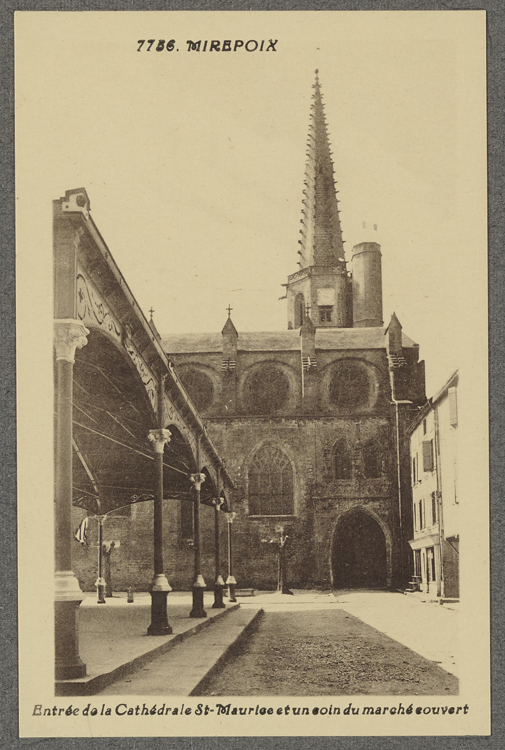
[{"x": 252, "y": 365}]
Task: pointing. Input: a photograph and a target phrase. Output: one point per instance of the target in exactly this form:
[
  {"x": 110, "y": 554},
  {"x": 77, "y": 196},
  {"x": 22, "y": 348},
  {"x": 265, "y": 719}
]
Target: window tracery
[{"x": 271, "y": 483}]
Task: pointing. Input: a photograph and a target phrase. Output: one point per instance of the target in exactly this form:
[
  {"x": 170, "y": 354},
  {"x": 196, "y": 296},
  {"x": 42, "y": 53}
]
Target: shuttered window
[
  {"x": 433, "y": 507},
  {"x": 428, "y": 464}
]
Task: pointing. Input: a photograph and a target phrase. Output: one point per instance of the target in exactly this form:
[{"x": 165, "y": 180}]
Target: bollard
[{"x": 129, "y": 597}]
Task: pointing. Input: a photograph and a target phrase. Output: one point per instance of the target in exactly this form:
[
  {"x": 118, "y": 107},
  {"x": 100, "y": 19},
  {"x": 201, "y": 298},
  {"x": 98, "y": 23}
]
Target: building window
[
  {"x": 417, "y": 562},
  {"x": 430, "y": 564},
  {"x": 421, "y": 514},
  {"x": 428, "y": 463},
  {"x": 325, "y": 312},
  {"x": 414, "y": 478},
  {"x": 271, "y": 483},
  {"x": 267, "y": 390},
  {"x": 424, "y": 427},
  {"x": 342, "y": 461},
  {"x": 415, "y": 516},
  {"x": 371, "y": 460},
  {"x": 433, "y": 507}
]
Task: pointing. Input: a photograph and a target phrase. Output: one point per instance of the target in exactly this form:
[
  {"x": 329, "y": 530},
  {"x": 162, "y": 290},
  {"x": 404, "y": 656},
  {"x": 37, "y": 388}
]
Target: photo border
[{"x": 8, "y": 633}]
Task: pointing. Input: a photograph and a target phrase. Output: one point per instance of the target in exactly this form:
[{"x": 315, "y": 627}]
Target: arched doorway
[{"x": 359, "y": 558}]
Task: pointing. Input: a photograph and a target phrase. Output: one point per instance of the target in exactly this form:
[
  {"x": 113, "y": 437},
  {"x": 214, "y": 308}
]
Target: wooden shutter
[{"x": 428, "y": 455}]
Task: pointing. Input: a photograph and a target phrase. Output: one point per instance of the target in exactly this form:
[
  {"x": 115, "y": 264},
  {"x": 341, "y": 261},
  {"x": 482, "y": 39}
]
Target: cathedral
[{"x": 311, "y": 421}]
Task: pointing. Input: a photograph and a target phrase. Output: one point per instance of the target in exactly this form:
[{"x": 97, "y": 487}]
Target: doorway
[{"x": 359, "y": 558}]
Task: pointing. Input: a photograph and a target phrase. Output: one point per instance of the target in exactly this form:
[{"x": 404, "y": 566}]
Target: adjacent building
[{"x": 435, "y": 502}]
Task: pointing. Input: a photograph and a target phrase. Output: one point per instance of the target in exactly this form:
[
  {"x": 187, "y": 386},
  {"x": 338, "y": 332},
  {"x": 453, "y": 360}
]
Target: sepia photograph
[{"x": 252, "y": 274}]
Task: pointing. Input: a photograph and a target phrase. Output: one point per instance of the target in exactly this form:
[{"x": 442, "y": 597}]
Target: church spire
[{"x": 321, "y": 241}]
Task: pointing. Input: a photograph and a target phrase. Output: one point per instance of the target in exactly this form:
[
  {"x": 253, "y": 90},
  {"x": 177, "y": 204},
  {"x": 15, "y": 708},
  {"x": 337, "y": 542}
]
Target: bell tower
[{"x": 321, "y": 285}]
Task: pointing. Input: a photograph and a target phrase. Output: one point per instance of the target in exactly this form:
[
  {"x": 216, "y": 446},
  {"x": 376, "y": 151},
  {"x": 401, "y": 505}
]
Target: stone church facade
[{"x": 311, "y": 421}]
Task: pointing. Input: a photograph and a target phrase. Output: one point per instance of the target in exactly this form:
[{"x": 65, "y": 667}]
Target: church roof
[
  {"x": 326, "y": 339},
  {"x": 321, "y": 241}
]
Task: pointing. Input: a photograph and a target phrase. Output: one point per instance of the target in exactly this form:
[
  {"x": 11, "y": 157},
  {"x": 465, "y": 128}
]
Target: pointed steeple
[
  {"x": 322, "y": 281},
  {"x": 321, "y": 241}
]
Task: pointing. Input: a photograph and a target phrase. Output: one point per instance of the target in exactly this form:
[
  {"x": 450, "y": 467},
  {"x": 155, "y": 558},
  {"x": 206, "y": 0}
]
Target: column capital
[
  {"x": 197, "y": 480},
  {"x": 230, "y": 516},
  {"x": 69, "y": 335},
  {"x": 159, "y": 438}
]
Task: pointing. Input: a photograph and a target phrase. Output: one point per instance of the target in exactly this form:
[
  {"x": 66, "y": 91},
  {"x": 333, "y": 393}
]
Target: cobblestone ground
[{"x": 326, "y": 652}]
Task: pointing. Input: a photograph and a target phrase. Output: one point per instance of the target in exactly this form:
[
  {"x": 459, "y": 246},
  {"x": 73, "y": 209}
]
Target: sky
[{"x": 194, "y": 162}]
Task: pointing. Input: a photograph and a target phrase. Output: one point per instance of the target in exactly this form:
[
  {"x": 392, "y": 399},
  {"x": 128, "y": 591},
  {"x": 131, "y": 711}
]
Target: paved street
[{"x": 368, "y": 643}]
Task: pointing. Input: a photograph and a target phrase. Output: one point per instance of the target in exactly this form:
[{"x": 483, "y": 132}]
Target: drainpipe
[
  {"x": 397, "y": 403},
  {"x": 439, "y": 501}
]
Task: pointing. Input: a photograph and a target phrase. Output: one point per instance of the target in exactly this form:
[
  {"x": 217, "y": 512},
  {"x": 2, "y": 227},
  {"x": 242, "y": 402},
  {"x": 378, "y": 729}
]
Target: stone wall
[{"x": 132, "y": 563}]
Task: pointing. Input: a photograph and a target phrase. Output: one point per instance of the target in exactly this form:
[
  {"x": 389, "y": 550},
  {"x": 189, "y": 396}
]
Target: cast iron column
[
  {"x": 69, "y": 335},
  {"x": 160, "y": 586},
  {"x": 100, "y": 581},
  {"x": 230, "y": 581},
  {"x": 218, "y": 583},
  {"x": 198, "y": 583}
]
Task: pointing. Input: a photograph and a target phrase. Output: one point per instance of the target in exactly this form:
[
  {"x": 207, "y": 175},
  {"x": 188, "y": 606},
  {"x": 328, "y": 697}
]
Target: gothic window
[
  {"x": 299, "y": 309},
  {"x": 199, "y": 387},
  {"x": 267, "y": 390},
  {"x": 349, "y": 385},
  {"x": 371, "y": 460},
  {"x": 271, "y": 483},
  {"x": 342, "y": 461}
]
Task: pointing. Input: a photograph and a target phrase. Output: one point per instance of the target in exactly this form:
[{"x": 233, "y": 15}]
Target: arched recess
[
  {"x": 299, "y": 309},
  {"x": 361, "y": 552},
  {"x": 202, "y": 384},
  {"x": 270, "y": 481},
  {"x": 342, "y": 461},
  {"x": 268, "y": 387},
  {"x": 372, "y": 460},
  {"x": 178, "y": 465},
  {"x": 351, "y": 385},
  {"x": 113, "y": 460}
]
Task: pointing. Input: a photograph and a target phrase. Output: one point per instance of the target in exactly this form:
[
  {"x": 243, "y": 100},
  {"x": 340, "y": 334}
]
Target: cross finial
[
  {"x": 151, "y": 312},
  {"x": 229, "y": 308},
  {"x": 307, "y": 310}
]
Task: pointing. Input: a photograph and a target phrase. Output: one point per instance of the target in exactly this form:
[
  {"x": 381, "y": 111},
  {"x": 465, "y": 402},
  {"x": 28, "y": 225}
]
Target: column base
[
  {"x": 198, "y": 610},
  {"x": 68, "y": 597},
  {"x": 231, "y": 592},
  {"x": 159, "y": 620},
  {"x": 100, "y": 588},
  {"x": 218, "y": 596},
  {"x": 68, "y": 663}
]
